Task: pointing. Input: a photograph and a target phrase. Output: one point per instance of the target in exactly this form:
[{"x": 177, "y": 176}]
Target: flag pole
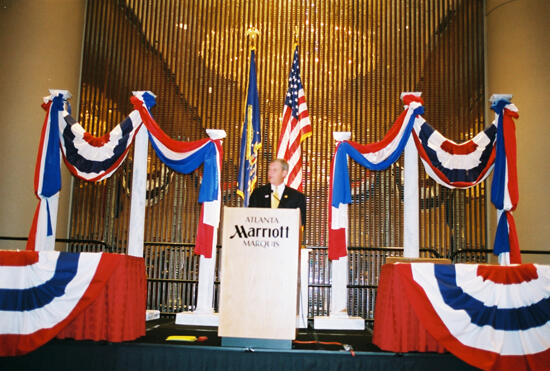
[
  {"x": 253, "y": 33},
  {"x": 296, "y": 37},
  {"x": 250, "y": 141}
]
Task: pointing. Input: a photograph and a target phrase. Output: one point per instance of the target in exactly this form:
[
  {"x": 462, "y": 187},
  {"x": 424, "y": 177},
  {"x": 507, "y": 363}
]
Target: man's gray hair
[{"x": 283, "y": 163}]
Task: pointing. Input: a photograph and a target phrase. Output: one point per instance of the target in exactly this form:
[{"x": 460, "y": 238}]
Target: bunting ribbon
[
  {"x": 504, "y": 189},
  {"x": 93, "y": 158},
  {"x": 492, "y": 317},
  {"x": 96, "y": 158},
  {"x": 41, "y": 292},
  {"x": 186, "y": 157},
  {"x": 86, "y": 156},
  {"x": 375, "y": 156},
  {"x": 455, "y": 165},
  {"x": 47, "y": 174},
  {"x": 452, "y": 165}
]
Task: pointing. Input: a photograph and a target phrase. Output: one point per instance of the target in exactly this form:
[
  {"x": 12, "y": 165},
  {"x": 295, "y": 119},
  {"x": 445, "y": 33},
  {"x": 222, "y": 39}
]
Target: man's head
[{"x": 278, "y": 169}]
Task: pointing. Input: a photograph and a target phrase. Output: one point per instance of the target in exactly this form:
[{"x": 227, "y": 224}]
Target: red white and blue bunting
[
  {"x": 504, "y": 189},
  {"x": 186, "y": 157},
  {"x": 455, "y": 165},
  {"x": 450, "y": 164},
  {"x": 47, "y": 174},
  {"x": 492, "y": 317},
  {"x": 375, "y": 156},
  {"x": 39, "y": 296},
  {"x": 96, "y": 158}
]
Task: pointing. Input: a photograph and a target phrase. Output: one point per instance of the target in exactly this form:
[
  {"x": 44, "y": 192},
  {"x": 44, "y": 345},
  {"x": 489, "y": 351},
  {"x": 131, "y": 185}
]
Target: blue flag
[{"x": 251, "y": 137}]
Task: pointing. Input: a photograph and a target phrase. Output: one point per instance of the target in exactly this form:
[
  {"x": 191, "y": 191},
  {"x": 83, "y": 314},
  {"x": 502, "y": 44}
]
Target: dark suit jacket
[{"x": 291, "y": 199}]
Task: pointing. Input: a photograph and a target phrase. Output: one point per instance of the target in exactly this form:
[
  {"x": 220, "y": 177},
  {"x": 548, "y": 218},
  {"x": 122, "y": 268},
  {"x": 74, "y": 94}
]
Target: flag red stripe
[
  {"x": 295, "y": 170},
  {"x": 294, "y": 129}
]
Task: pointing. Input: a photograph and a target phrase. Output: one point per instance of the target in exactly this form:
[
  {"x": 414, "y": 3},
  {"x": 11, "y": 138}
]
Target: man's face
[{"x": 275, "y": 174}]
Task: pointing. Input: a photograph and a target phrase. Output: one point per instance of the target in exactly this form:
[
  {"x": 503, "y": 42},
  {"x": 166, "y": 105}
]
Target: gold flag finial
[
  {"x": 253, "y": 32},
  {"x": 296, "y": 36}
]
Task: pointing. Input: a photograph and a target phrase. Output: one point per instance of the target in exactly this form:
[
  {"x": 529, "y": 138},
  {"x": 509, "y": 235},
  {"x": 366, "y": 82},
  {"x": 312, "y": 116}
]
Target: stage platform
[{"x": 153, "y": 352}]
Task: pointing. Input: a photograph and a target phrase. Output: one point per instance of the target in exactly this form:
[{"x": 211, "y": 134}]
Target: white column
[
  {"x": 204, "y": 314},
  {"x": 304, "y": 292},
  {"x": 411, "y": 216},
  {"x": 338, "y": 318},
  {"x": 139, "y": 187},
  {"x": 207, "y": 268},
  {"x": 339, "y": 278}
]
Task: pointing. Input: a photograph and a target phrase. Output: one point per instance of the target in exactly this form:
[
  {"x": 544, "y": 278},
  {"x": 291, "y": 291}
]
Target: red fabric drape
[
  {"x": 396, "y": 326},
  {"x": 118, "y": 313}
]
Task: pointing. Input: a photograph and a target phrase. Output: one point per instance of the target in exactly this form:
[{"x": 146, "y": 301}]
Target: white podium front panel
[{"x": 259, "y": 273}]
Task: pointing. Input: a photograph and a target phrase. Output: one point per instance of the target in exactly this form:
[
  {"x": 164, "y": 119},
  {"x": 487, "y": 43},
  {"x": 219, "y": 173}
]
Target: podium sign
[{"x": 259, "y": 273}]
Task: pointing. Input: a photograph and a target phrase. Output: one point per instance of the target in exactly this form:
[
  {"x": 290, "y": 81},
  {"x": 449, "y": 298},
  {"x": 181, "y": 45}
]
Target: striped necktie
[{"x": 275, "y": 199}]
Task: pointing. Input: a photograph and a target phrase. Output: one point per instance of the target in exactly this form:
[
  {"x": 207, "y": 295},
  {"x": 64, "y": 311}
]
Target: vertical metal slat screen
[{"x": 356, "y": 58}]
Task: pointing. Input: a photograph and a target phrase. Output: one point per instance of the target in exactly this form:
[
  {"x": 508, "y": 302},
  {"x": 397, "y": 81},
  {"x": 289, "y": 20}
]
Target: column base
[
  {"x": 198, "y": 319},
  {"x": 152, "y": 314},
  {"x": 301, "y": 319},
  {"x": 301, "y": 322},
  {"x": 338, "y": 323}
]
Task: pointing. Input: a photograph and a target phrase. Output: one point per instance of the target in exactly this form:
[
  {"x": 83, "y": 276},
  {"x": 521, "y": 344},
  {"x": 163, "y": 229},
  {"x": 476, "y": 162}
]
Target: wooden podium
[{"x": 259, "y": 277}]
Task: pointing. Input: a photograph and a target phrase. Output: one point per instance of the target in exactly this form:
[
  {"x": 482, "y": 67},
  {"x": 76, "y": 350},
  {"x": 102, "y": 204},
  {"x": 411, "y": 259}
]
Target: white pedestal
[
  {"x": 338, "y": 322},
  {"x": 198, "y": 319},
  {"x": 338, "y": 318},
  {"x": 152, "y": 314}
]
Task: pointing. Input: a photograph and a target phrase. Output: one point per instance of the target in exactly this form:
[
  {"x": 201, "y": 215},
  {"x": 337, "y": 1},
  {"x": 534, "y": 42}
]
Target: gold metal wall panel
[{"x": 356, "y": 57}]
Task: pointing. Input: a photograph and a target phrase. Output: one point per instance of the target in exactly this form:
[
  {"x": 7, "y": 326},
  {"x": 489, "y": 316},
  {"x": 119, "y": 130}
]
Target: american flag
[{"x": 295, "y": 127}]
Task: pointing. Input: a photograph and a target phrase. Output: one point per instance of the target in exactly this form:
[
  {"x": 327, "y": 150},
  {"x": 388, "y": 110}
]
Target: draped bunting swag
[
  {"x": 96, "y": 158},
  {"x": 504, "y": 189},
  {"x": 375, "y": 156},
  {"x": 185, "y": 157},
  {"x": 450, "y": 164},
  {"x": 47, "y": 175}
]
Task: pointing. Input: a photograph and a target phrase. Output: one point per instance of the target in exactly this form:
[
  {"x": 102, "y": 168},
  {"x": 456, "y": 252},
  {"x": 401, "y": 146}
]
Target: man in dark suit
[{"x": 276, "y": 194}]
